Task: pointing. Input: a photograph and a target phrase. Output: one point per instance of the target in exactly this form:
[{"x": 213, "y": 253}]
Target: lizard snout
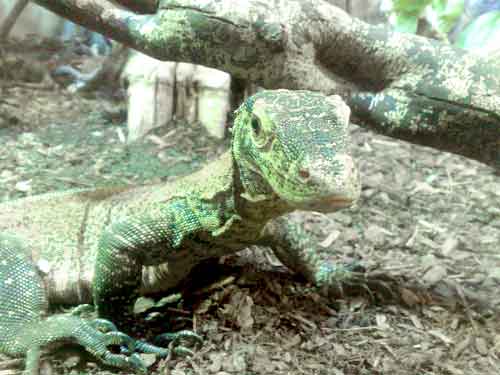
[{"x": 336, "y": 183}]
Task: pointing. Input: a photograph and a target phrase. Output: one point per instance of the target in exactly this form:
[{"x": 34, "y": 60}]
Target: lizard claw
[
  {"x": 133, "y": 361},
  {"x": 101, "y": 335},
  {"x": 355, "y": 267},
  {"x": 184, "y": 335},
  {"x": 120, "y": 338},
  {"x": 130, "y": 347},
  {"x": 103, "y": 325},
  {"x": 83, "y": 309},
  {"x": 137, "y": 364},
  {"x": 180, "y": 335},
  {"x": 330, "y": 273},
  {"x": 161, "y": 351}
]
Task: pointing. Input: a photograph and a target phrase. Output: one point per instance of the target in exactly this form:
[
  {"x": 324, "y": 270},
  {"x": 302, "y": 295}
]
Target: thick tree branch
[
  {"x": 400, "y": 85},
  {"x": 98, "y": 15},
  {"x": 140, "y": 6},
  {"x": 422, "y": 91},
  {"x": 11, "y": 19}
]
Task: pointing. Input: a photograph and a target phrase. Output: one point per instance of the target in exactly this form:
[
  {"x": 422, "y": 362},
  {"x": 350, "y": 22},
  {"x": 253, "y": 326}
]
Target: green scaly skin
[{"x": 108, "y": 246}]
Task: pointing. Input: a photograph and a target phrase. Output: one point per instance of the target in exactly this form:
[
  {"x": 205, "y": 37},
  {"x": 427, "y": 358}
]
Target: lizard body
[{"x": 108, "y": 246}]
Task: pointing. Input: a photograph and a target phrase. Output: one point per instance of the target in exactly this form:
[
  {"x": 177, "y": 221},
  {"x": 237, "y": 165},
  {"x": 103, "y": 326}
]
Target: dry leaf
[
  {"x": 121, "y": 135},
  {"x": 461, "y": 346},
  {"x": 424, "y": 187},
  {"x": 294, "y": 341},
  {"x": 411, "y": 241},
  {"x": 376, "y": 235},
  {"x": 244, "y": 318},
  {"x": 434, "y": 275},
  {"x": 216, "y": 360},
  {"x": 431, "y": 226},
  {"x": 440, "y": 335},
  {"x": 496, "y": 345},
  {"x": 23, "y": 186},
  {"x": 340, "y": 350},
  {"x": 416, "y": 321},
  {"x": 410, "y": 298},
  {"x": 381, "y": 320},
  {"x": 449, "y": 245},
  {"x": 481, "y": 346}
]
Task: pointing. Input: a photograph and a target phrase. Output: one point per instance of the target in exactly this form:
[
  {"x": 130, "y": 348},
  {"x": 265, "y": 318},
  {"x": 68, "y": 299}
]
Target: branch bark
[
  {"x": 11, "y": 19},
  {"x": 400, "y": 85},
  {"x": 139, "y": 6}
]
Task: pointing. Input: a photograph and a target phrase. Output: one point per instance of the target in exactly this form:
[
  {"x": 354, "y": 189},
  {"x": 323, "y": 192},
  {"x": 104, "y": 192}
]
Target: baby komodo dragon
[{"x": 108, "y": 246}]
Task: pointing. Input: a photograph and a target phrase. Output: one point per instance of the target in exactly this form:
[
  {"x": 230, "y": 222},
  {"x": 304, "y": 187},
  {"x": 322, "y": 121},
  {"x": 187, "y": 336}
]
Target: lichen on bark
[{"x": 401, "y": 85}]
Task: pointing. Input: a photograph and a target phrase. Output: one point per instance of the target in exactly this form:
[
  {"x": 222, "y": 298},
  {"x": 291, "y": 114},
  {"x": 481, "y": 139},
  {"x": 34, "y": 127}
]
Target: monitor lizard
[{"x": 289, "y": 151}]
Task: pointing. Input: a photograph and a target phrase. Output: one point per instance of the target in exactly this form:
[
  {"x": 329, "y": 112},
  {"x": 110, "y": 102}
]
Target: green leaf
[
  {"x": 405, "y": 23},
  {"x": 168, "y": 300},
  {"x": 439, "y": 5},
  {"x": 409, "y": 7},
  {"x": 405, "y": 14},
  {"x": 143, "y": 304},
  {"x": 447, "y": 13},
  {"x": 442, "y": 15}
]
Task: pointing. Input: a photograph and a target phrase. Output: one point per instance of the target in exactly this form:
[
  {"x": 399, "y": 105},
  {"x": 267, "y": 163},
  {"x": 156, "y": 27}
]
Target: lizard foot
[
  {"x": 129, "y": 361},
  {"x": 331, "y": 278},
  {"x": 170, "y": 339},
  {"x": 330, "y": 273},
  {"x": 184, "y": 335},
  {"x": 99, "y": 337},
  {"x": 129, "y": 346},
  {"x": 82, "y": 309},
  {"x": 107, "y": 335}
]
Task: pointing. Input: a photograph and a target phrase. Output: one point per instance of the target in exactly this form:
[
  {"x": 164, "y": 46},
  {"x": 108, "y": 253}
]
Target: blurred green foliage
[
  {"x": 469, "y": 24},
  {"x": 482, "y": 35}
]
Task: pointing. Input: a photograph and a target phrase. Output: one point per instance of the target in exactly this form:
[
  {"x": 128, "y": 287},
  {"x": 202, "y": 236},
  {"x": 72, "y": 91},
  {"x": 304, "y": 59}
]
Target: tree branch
[
  {"x": 11, "y": 19},
  {"x": 401, "y": 85},
  {"x": 140, "y": 6}
]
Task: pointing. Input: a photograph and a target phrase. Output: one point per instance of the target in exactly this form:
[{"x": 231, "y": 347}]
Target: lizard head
[{"x": 294, "y": 145}]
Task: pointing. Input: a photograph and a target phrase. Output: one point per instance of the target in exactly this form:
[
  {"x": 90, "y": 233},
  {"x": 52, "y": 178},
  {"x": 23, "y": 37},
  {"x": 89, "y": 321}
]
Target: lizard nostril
[{"x": 304, "y": 174}]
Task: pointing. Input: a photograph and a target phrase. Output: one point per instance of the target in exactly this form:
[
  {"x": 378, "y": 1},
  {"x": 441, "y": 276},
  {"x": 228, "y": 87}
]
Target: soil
[{"x": 426, "y": 232}]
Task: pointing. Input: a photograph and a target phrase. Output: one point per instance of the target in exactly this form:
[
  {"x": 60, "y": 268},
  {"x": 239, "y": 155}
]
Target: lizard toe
[
  {"x": 103, "y": 325},
  {"x": 171, "y": 339},
  {"x": 83, "y": 309},
  {"x": 133, "y": 361},
  {"x": 184, "y": 335},
  {"x": 121, "y": 339},
  {"x": 332, "y": 274}
]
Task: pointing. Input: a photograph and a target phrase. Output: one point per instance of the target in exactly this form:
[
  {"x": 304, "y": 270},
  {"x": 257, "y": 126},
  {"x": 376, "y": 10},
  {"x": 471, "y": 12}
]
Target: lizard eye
[
  {"x": 256, "y": 125},
  {"x": 260, "y": 137}
]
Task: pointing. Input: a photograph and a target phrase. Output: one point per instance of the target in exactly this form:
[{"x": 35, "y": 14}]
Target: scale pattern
[{"x": 289, "y": 151}]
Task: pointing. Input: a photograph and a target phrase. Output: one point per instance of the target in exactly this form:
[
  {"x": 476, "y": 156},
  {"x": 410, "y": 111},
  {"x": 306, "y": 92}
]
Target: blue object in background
[
  {"x": 99, "y": 44},
  {"x": 476, "y": 8}
]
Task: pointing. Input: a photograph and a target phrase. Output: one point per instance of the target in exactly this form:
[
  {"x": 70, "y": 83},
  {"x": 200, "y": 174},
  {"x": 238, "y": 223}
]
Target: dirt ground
[{"x": 427, "y": 232}]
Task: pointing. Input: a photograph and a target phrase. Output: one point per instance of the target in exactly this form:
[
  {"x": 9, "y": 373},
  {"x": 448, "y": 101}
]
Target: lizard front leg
[
  {"x": 151, "y": 238},
  {"x": 296, "y": 250}
]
